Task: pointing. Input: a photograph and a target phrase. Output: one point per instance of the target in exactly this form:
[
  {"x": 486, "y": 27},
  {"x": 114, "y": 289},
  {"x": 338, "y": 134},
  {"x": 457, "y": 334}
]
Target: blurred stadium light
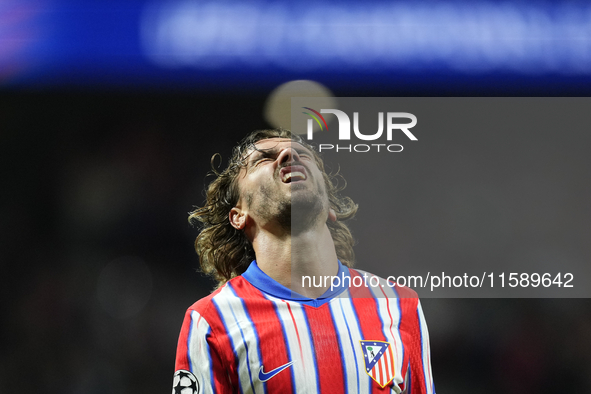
[{"x": 183, "y": 42}]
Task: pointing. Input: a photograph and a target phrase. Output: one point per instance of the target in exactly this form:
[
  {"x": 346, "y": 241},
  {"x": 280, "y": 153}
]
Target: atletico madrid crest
[{"x": 379, "y": 361}]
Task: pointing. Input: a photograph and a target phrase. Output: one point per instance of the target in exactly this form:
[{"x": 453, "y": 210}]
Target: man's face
[{"x": 282, "y": 184}]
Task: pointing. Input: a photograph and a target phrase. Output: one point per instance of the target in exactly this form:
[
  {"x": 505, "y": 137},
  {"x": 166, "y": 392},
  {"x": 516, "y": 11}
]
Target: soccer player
[{"x": 272, "y": 218}]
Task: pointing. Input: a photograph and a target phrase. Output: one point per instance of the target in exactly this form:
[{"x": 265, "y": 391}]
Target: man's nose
[{"x": 288, "y": 155}]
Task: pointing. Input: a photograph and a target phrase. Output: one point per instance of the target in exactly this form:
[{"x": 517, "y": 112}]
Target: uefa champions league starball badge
[{"x": 184, "y": 382}]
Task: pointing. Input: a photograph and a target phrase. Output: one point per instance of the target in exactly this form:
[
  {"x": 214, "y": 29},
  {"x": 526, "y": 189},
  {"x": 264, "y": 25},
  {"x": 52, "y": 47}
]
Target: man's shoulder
[
  {"x": 203, "y": 304},
  {"x": 206, "y": 304}
]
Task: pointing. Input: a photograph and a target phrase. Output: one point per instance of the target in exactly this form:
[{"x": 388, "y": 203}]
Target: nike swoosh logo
[{"x": 268, "y": 375}]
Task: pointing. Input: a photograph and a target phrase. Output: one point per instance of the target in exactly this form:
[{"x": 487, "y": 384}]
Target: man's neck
[{"x": 287, "y": 258}]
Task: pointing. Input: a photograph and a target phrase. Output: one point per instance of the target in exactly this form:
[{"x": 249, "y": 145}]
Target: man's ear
[
  {"x": 332, "y": 215},
  {"x": 237, "y": 218}
]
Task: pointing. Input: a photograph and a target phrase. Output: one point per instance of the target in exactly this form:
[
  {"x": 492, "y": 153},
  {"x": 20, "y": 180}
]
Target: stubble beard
[
  {"x": 305, "y": 210},
  {"x": 294, "y": 214}
]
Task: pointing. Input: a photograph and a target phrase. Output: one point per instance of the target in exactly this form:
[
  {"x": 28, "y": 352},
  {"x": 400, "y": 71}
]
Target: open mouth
[{"x": 293, "y": 174}]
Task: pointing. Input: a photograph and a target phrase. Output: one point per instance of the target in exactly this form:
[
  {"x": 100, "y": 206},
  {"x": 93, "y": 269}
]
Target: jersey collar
[{"x": 263, "y": 282}]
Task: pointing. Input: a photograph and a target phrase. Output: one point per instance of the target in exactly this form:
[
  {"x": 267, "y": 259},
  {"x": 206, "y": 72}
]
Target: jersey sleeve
[
  {"x": 419, "y": 377},
  {"x": 198, "y": 359}
]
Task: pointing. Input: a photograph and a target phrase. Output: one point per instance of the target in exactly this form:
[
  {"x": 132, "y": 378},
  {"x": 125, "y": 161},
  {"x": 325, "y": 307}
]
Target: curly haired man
[{"x": 272, "y": 218}]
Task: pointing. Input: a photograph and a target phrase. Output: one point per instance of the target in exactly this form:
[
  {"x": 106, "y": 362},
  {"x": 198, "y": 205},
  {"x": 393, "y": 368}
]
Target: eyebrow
[
  {"x": 267, "y": 152},
  {"x": 257, "y": 153}
]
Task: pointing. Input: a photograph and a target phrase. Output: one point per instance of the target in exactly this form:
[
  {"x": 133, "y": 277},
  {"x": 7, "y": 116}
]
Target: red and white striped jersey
[{"x": 253, "y": 336}]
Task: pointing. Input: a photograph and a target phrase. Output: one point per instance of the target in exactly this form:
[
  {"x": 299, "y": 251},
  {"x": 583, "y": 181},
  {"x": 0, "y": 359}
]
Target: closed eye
[{"x": 262, "y": 155}]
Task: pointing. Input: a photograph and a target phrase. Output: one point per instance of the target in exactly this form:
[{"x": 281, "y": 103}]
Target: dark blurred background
[{"x": 110, "y": 113}]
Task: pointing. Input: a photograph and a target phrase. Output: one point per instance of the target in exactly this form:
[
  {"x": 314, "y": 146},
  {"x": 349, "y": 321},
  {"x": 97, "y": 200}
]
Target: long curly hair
[{"x": 225, "y": 252}]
